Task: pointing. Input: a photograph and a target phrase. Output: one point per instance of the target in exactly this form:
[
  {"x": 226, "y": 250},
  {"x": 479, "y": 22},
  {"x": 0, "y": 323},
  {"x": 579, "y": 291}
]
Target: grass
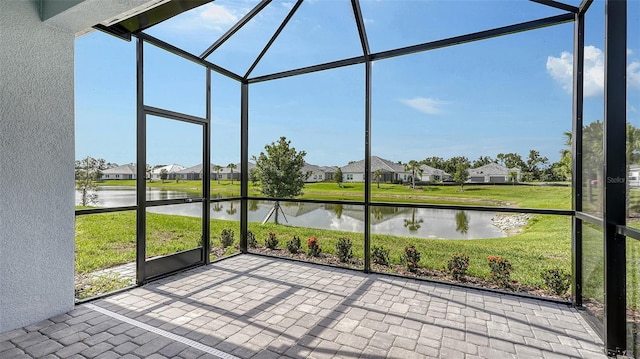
[
  {"x": 106, "y": 240},
  {"x": 523, "y": 196}
]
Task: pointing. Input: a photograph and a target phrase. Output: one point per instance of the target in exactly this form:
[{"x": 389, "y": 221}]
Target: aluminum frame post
[{"x": 615, "y": 176}]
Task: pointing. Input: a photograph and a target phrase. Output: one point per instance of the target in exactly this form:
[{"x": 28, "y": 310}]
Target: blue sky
[{"x": 507, "y": 94}]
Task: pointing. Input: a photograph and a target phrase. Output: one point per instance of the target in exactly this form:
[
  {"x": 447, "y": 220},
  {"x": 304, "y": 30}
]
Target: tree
[
  {"x": 377, "y": 176},
  {"x": 513, "y": 177},
  {"x": 435, "y": 162},
  {"x": 461, "y": 174},
  {"x": 452, "y": 164},
  {"x": 88, "y": 172},
  {"x": 534, "y": 165},
  {"x": 413, "y": 167},
  {"x": 231, "y": 211},
  {"x": 511, "y": 160},
  {"x": 279, "y": 170},
  {"x": 253, "y": 177},
  {"x": 164, "y": 174},
  {"x": 337, "y": 177},
  {"x": 483, "y": 160},
  {"x": 231, "y": 167},
  {"x": 148, "y": 170},
  {"x": 217, "y": 168}
]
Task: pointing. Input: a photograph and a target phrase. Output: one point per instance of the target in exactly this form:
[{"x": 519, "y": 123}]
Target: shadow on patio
[{"x": 255, "y": 307}]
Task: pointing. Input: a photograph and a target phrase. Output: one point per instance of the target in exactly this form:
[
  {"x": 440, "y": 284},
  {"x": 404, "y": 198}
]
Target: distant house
[
  {"x": 314, "y": 173},
  {"x": 227, "y": 174},
  {"x": 329, "y": 171},
  {"x": 191, "y": 173},
  {"x": 634, "y": 176},
  {"x": 171, "y": 170},
  {"x": 354, "y": 172},
  {"x": 431, "y": 174},
  {"x": 124, "y": 172},
  {"x": 493, "y": 173}
]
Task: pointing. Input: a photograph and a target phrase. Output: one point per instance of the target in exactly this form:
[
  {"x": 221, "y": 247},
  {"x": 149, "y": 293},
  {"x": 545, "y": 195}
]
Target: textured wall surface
[{"x": 36, "y": 167}]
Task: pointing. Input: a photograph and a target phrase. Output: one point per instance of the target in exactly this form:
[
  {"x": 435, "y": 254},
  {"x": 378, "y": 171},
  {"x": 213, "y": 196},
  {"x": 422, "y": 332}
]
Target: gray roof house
[
  {"x": 431, "y": 174},
  {"x": 194, "y": 173},
  {"x": 354, "y": 172},
  {"x": 226, "y": 172},
  {"x": 493, "y": 173},
  {"x": 314, "y": 173},
  {"x": 123, "y": 172}
]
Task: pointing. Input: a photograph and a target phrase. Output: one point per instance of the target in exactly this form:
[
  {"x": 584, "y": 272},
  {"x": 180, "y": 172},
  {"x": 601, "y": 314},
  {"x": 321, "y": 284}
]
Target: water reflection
[
  {"x": 412, "y": 224},
  {"x": 401, "y": 221},
  {"x": 462, "y": 222}
]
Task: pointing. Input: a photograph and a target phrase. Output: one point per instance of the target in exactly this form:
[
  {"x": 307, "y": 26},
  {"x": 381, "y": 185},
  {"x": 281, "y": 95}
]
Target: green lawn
[{"x": 523, "y": 196}]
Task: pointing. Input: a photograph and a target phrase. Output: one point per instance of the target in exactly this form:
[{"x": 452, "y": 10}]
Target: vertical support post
[
  {"x": 206, "y": 175},
  {"x": 141, "y": 170},
  {"x": 367, "y": 169},
  {"x": 244, "y": 165},
  {"x": 615, "y": 176},
  {"x": 576, "y": 151}
]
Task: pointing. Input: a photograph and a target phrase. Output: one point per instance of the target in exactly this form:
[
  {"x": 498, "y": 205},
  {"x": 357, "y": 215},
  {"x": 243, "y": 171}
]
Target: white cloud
[
  {"x": 561, "y": 70},
  {"x": 217, "y": 15},
  {"x": 426, "y": 105},
  {"x": 633, "y": 74}
]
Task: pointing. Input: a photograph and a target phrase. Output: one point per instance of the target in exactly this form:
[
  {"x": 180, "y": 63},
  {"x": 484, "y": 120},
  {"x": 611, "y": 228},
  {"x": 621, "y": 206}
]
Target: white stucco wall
[{"x": 36, "y": 167}]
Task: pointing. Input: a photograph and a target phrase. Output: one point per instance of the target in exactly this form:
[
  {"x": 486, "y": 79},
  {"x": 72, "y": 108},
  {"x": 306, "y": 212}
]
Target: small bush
[
  {"x": 294, "y": 245},
  {"x": 410, "y": 258},
  {"x": 458, "y": 265},
  {"x": 500, "y": 271},
  {"x": 343, "y": 249},
  {"x": 226, "y": 238},
  {"x": 314, "y": 247},
  {"x": 251, "y": 240},
  {"x": 272, "y": 241},
  {"x": 557, "y": 280},
  {"x": 380, "y": 255}
]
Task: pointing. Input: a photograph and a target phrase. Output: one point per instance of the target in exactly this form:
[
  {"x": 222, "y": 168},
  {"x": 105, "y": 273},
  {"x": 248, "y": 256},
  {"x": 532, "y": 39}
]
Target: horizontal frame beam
[{"x": 154, "y": 111}]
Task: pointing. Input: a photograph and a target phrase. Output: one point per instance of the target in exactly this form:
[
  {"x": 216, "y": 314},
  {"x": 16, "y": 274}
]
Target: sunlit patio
[{"x": 251, "y": 306}]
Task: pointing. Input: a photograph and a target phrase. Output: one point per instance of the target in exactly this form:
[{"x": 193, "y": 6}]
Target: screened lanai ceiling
[{"x": 253, "y": 38}]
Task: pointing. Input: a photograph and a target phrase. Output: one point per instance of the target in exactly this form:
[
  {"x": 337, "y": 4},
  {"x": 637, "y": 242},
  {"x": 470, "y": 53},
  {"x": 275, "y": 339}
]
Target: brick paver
[{"x": 255, "y": 307}]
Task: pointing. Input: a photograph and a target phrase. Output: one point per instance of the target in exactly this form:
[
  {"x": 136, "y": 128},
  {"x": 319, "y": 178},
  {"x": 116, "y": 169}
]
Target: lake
[{"x": 400, "y": 221}]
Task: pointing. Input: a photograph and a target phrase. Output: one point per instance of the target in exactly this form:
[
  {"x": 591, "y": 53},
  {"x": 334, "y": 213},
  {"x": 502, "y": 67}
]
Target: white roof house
[
  {"x": 123, "y": 172},
  {"x": 493, "y": 173},
  {"x": 171, "y": 170}
]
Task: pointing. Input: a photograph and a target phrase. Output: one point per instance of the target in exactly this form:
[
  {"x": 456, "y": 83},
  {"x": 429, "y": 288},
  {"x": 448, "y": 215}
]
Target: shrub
[
  {"x": 272, "y": 241},
  {"x": 380, "y": 255},
  {"x": 557, "y": 280},
  {"x": 500, "y": 271},
  {"x": 314, "y": 247},
  {"x": 294, "y": 245},
  {"x": 343, "y": 249},
  {"x": 410, "y": 258},
  {"x": 458, "y": 265},
  {"x": 251, "y": 240},
  {"x": 226, "y": 238}
]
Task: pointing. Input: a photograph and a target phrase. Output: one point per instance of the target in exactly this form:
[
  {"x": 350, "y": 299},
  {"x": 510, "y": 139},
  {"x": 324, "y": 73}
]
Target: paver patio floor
[{"x": 250, "y": 306}]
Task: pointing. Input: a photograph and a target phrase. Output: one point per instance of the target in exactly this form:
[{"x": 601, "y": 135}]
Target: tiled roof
[
  {"x": 124, "y": 169},
  {"x": 431, "y": 171},
  {"x": 377, "y": 163},
  {"x": 492, "y": 169}
]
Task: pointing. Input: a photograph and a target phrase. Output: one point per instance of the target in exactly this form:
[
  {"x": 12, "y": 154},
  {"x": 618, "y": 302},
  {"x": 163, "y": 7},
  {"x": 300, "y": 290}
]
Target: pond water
[{"x": 400, "y": 221}]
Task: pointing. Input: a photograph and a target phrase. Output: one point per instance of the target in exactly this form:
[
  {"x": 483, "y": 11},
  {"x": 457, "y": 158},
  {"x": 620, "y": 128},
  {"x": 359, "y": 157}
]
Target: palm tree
[
  {"x": 231, "y": 211},
  {"x": 217, "y": 168},
  {"x": 462, "y": 222},
  {"x": 232, "y": 166},
  {"x": 377, "y": 176},
  {"x": 414, "y": 167}
]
